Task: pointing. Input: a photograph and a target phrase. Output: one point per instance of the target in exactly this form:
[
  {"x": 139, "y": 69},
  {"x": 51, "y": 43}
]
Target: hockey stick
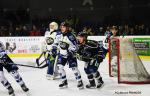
[
  {"x": 37, "y": 60},
  {"x": 24, "y": 65}
]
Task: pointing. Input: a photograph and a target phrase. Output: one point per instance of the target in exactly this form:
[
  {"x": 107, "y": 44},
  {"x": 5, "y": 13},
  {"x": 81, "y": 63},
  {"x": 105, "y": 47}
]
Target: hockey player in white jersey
[
  {"x": 51, "y": 48},
  {"x": 68, "y": 48},
  {"x": 7, "y": 63}
]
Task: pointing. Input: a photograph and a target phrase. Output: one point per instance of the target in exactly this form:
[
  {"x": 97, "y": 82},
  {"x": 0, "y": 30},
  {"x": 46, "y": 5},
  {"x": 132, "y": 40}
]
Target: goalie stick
[
  {"x": 37, "y": 60},
  {"x": 45, "y": 60}
]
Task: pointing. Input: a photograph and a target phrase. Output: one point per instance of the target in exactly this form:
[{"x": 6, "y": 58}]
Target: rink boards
[{"x": 33, "y": 46}]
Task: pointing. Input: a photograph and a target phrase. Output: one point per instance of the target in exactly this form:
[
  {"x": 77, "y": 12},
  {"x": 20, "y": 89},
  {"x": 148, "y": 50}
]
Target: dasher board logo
[
  {"x": 10, "y": 46},
  {"x": 34, "y": 48}
]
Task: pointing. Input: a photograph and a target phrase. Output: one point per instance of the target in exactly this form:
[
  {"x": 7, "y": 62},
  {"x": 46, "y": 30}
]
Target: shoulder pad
[
  {"x": 92, "y": 43},
  {"x": 47, "y": 32},
  {"x": 72, "y": 38},
  {"x": 58, "y": 32}
]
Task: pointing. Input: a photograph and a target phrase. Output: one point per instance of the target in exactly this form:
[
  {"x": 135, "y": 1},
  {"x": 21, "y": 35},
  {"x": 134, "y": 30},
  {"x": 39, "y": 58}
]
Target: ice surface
[{"x": 39, "y": 86}]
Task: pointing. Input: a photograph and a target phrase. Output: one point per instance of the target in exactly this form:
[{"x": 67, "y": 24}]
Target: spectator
[
  {"x": 90, "y": 31},
  {"x": 131, "y": 31},
  {"x": 3, "y": 31},
  {"x": 142, "y": 29},
  {"x": 147, "y": 31},
  {"x": 126, "y": 29},
  {"x": 18, "y": 31},
  {"x": 11, "y": 30},
  {"x": 35, "y": 31},
  {"x": 136, "y": 30},
  {"x": 85, "y": 29},
  {"x": 101, "y": 32},
  {"x": 25, "y": 31}
]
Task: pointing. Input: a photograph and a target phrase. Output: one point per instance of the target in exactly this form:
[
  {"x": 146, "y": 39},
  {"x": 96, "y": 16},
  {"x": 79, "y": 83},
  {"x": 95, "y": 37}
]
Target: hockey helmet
[
  {"x": 65, "y": 24},
  {"x": 82, "y": 34}
]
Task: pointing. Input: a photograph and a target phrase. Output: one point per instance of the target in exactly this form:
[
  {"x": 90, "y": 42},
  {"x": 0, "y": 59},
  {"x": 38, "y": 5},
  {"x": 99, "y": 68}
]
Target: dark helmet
[
  {"x": 65, "y": 24},
  {"x": 83, "y": 34}
]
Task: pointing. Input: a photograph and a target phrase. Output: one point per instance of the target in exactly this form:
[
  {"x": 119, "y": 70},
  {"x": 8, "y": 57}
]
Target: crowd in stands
[
  {"x": 19, "y": 24},
  {"x": 33, "y": 30}
]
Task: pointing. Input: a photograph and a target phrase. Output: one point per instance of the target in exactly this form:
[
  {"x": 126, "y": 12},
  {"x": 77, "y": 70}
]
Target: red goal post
[{"x": 124, "y": 62}]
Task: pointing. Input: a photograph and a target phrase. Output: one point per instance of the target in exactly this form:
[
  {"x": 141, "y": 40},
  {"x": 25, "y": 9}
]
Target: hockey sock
[
  {"x": 91, "y": 79},
  {"x": 4, "y": 81},
  {"x": 98, "y": 77},
  {"x": 76, "y": 73},
  {"x": 62, "y": 72},
  {"x": 17, "y": 77}
]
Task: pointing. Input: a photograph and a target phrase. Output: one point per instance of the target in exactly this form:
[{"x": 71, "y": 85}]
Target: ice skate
[
  {"x": 24, "y": 88},
  {"x": 11, "y": 91},
  {"x": 92, "y": 84},
  {"x": 80, "y": 85},
  {"x": 63, "y": 85},
  {"x": 100, "y": 83},
  {"x": 49, "y": 77}
]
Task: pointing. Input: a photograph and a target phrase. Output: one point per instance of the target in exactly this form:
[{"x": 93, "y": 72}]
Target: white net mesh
[{"x": 129, "y": 66}]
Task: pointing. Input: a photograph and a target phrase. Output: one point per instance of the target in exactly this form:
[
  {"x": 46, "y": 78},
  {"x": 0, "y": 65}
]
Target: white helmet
[{"x": 55, "y": 26}]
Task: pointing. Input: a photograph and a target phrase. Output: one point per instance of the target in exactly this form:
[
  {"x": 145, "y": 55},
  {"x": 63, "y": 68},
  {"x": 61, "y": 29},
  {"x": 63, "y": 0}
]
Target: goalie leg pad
[{"x": 50, "y": 70}]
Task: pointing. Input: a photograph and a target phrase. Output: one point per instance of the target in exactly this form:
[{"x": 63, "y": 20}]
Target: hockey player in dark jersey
[
  {"x": 67, "y": 48},
  {"x": 7, "y": 63},
  {"x": 92, "y": 54}
]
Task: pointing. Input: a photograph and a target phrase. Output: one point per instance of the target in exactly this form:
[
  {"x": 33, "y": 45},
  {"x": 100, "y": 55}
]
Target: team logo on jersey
[
  {"x": 64, "y": 45},
  {"x": 49, "y": 40}
]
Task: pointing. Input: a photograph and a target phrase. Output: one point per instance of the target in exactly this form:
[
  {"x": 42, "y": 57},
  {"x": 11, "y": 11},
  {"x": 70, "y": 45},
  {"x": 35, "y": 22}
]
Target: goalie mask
[{"x": 53, "y": 26}]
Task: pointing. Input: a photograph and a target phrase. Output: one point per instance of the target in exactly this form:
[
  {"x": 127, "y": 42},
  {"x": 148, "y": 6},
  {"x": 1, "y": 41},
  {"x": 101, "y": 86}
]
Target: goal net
[{"x": 125, "y": 63}]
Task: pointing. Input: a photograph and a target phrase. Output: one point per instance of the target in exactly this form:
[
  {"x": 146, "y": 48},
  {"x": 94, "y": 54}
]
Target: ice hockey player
[
  {"x": 68, "y": 48},
  {"x": 7, "y": 63},
  {"x": 51, "y": 48},
  {"x": 113, "y": 32},
  {"x": 92, "y": 54},
  {"x": 109, "y": 34}
]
